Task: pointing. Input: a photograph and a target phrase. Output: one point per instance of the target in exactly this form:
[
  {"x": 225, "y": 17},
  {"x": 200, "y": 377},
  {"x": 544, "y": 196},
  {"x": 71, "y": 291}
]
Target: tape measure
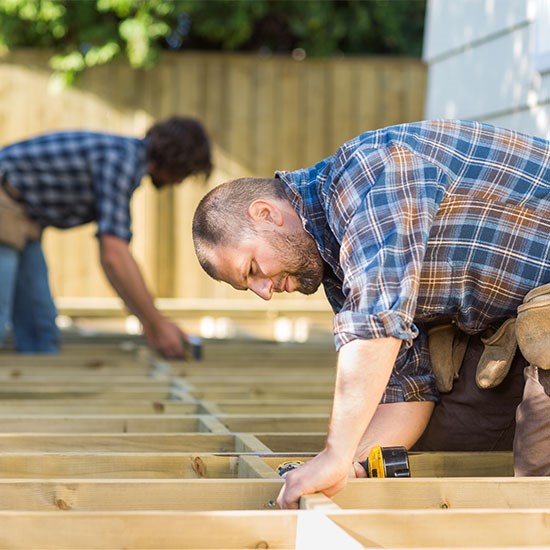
[{"x": 387, "y": 462}]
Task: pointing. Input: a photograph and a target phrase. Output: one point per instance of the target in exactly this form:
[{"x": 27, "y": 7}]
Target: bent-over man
[
  {"x": 421, "y": 234},
  {"x": 69, "y": 178}
]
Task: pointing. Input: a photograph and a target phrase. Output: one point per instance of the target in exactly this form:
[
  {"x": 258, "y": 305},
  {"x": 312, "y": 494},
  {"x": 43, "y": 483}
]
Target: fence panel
[{"x": 263, "y": 113}]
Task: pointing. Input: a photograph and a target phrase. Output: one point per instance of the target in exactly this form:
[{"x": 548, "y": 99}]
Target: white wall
[{"x": 489, "y": 60}]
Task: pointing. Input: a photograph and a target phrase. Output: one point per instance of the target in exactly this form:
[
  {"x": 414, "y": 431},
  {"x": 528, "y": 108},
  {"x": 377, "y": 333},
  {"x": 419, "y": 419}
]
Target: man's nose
[{"x": 261, "y": 287}]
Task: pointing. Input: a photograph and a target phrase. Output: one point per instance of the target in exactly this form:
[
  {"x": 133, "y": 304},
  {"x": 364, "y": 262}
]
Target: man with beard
[
  {"x": 435, "y": 228},
  {"x": 69, "y": 178}
]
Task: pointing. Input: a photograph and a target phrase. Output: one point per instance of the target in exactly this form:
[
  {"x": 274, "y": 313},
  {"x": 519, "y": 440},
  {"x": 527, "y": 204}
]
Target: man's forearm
[
  {"x": 363, "y": 371},
  {"x": 395, "y": 424},
  {"x": 125, "y": 277},
  {"x": 364, "y": 368}
]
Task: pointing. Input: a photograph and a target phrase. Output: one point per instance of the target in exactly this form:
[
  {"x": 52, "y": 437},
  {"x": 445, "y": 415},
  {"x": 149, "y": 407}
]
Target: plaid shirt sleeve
[
  {"x": 412, "y": 378},
  {"x": 115, "y": 181},
  {"x": 388, "y": 200},
  {"x": 387, "y": 224}
]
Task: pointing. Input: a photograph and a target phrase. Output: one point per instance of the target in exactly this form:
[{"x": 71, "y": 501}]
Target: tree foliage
[{"x": 84, "y": 33}]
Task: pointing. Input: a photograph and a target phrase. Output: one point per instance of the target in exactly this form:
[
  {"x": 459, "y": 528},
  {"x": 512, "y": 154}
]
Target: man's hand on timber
[
  {"x": 325, "y": 473},
  {"x": 166, "y": 337}
]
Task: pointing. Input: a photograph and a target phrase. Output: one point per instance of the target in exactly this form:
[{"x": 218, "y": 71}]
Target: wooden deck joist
[
  {"x": 257, "y": 494},
  {"x": 300, "y": 530},
  {"x": 108, "y": 447}
]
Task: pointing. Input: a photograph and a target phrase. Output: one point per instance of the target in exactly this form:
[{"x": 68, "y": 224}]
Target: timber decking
[{"x": 108, "y": 447}]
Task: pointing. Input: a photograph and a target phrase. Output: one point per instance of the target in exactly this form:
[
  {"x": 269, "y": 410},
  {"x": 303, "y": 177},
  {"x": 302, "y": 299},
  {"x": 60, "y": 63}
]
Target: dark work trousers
[{"x": 471, "y": 419}]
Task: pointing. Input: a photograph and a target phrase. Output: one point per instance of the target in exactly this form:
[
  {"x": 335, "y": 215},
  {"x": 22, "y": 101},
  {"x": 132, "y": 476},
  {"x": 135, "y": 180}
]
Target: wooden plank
[
  {"x": 343, "y": 86},
  {"x": 440, "y": 528},
  {"x": 255, "y": 467},
  {"x": 241, "y": 367},
  {"x": 265, "y": 115},
  {"x": 240, "y": 97},
  {"x": 297, "y": 406},
  {"x": 117, "y": 465},
  {"x": 73, "y": 369},
  {"x": 261, "y": 392},
  {"x": 75, "y": 391},
  {"x": 314, "y": 100},
  {"x": 461, "y": 464},
  {"x": 252, "y": 376},
  {"x": 288, "y": 137},
  {"x": 144, "y": 443},
  {"x": 317, "y": 501},
  {"x": 86, "y": 381},
  {"x": 96, "y": 363},
  {"x": 211, "y": 424},
  {"x": 165, "y": 242},
  {"x": 248, "y": 443},
  {"x": 145, "y": 530},
  {"x": 100, "y": 495},
  {"x": 445, "y": 493},
  {"x": 268, "y": 529},
  {"x": 293, "y": 443},
  {"x": 76, "y": 407},
  {"x": 280, "y": 423},
  {"x": 441, "y": 464},
  {"x": 109, "y": 424}
]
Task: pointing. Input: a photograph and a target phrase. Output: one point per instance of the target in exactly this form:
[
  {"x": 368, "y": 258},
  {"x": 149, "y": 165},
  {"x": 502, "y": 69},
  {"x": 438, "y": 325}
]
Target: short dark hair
[
  {"x": 180, "y": 146},
  {"x": 220, "y": 217}
]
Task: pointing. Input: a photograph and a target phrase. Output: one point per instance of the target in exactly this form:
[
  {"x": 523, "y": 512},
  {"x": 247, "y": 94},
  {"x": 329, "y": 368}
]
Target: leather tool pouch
[
  {"x": 447, "y": 345},
  {"x": 15, "y": 226},
  {"x": 533, "y": 327}
]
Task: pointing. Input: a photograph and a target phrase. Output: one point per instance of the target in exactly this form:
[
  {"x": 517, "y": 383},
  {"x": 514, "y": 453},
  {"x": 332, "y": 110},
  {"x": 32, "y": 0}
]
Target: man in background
[{"x": 69, "y": 178}]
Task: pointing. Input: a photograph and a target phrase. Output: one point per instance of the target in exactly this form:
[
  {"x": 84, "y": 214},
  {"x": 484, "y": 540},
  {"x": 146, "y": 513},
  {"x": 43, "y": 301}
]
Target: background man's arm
[
  {"x": 124, "y": 274},
  {"x": 364, "y": 368}
]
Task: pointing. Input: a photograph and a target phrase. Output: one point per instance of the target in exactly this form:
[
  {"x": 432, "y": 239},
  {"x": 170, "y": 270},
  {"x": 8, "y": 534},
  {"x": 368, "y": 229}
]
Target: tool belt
[
  {"x": 16, "y": 228},
  {"x": 530, "y": 331},
  {"x": 448, "y": 344}
]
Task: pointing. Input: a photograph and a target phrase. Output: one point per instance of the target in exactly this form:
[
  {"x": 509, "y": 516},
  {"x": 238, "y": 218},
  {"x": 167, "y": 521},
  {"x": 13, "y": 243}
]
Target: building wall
[{"x": 489, "y": 60}]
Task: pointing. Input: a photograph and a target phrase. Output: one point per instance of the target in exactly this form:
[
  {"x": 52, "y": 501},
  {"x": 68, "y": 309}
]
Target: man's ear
[{"x": 263, "y": 211}]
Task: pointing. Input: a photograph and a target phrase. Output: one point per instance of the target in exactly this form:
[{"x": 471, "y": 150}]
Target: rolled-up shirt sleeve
[
  {"x": 385, "y": 229},
  {"x": 412, "y": 377}
]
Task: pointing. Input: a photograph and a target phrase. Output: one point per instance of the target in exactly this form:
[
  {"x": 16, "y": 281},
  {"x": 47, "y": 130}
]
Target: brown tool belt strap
[
  {"x": 16, "y": 228},
  {"x": 10, "y": 191}
]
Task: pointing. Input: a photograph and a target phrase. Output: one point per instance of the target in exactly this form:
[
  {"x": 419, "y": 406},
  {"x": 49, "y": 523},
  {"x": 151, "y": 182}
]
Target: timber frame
[{"x": 105, "y": 446}]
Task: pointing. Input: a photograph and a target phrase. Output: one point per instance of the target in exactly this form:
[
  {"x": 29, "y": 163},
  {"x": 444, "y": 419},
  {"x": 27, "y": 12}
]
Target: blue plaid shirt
[
  {"x": 427, "y": 221},
  {"x": 67, "y": 179}
]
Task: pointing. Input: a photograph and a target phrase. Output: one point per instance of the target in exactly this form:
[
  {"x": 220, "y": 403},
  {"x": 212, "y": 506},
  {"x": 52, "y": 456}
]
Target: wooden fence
[{"x": 263, "y": 113}]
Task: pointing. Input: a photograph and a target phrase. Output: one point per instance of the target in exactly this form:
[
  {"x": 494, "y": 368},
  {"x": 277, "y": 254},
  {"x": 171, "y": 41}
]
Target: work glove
[
  {"x": 447, "y": 345},
  {"x": 495, "y": 361},
  {"x": 530, "y": 331}
]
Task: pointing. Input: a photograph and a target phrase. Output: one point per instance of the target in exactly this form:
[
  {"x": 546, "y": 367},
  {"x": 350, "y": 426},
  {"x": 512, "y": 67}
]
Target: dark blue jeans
[{"x": 26, "y": 300}]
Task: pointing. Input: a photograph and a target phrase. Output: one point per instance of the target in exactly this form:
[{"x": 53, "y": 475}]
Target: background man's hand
[
  {"x": 167, "y": 338},
  {"x": 325, "y": 473}
]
